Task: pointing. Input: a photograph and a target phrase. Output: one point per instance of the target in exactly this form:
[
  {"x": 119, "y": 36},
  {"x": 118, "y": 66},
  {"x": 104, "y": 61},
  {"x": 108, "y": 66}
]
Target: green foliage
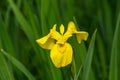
[
  {"x": 5, "y": 71},
  {"x": 18, "y": 65},
  {"x": 24, "y": 21},
  {"x": 113, "y": 74},
  {"x": 88, "y": 60}
]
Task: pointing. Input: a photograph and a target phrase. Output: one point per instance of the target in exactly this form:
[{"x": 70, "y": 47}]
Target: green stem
[{"x": 73, "y": 69}]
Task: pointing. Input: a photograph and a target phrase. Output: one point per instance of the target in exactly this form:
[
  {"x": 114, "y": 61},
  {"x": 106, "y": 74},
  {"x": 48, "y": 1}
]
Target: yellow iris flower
[{"x": 61, "y": 51}]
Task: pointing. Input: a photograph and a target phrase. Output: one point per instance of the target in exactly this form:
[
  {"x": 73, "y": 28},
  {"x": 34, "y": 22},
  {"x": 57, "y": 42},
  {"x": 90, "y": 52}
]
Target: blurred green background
[{"x": 24, "y": 21}]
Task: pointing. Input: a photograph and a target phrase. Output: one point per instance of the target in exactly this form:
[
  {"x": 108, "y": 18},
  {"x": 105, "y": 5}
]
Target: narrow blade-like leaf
[
  {"x": 88, "y": 60},
  {"x": 113, "y": 61},
  {"x": 19, "y": 65}
]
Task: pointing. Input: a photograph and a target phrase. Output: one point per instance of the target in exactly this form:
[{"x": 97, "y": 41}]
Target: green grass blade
[
  {"x": 108, "y": 21},
  {"x": 79, "y": 71},
  {"x": 25, "y": 26},
  {"x": 102, "y": 54},
  {"x": 5, "y": 73},
  {"x": 19, "y": 65},
  {"x": 31, "y": 16},
  {"x": 113, "y": 74},
  {"x": 88, "y": 60},
  {"x": 6, "y": 40}
]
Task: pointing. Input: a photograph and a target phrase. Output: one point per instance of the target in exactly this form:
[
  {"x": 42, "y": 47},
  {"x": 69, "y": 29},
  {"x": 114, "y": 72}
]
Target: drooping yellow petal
[
  {"x": 62, "y": 29},
  {"x": 82, "y": 35},
  {"x": 61, "y": 55},
  {"x": 46, "y": 42}
]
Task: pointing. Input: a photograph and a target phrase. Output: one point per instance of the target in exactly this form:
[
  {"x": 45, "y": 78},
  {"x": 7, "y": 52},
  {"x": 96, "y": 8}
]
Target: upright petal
[
  {"x": 55, "y": 35},
  {"x": 46, "y": 42},
  {"x": 61, "y": 55},
  {"x": 82, "y": 35},
  {"x": 62, "y": 29},
  {"x": 70, "y": 30},
  {"x": 71, "y": 27},
  {"x": 67, "y": 35}
]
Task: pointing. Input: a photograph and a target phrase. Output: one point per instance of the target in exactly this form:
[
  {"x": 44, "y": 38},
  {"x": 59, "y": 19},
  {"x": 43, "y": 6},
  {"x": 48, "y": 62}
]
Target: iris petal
[
  {"x": 61, "y": 51},
  {"x": 82, "y": 35},
  {"x": 61, "y": 55},
  {"x": 46, "y": 42},
  {"x": 55, "y": 35},
  {"x": 71, "y": 27},
  {"x": 62, "y": 29}
]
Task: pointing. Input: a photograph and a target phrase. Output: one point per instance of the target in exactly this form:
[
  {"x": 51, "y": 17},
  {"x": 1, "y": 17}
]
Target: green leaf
[
  {"x": 5, "y": 38},
  {"x": 88, "y": 60},
  {"x": 19, "y": 65},
  {"x": 5, "y": 72},
  {"x": 31, "y": 17},
  {"x": 26, "y": 27},
  {"x": 113, "y": 74},
  {"x": 79, "y": 71}
]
